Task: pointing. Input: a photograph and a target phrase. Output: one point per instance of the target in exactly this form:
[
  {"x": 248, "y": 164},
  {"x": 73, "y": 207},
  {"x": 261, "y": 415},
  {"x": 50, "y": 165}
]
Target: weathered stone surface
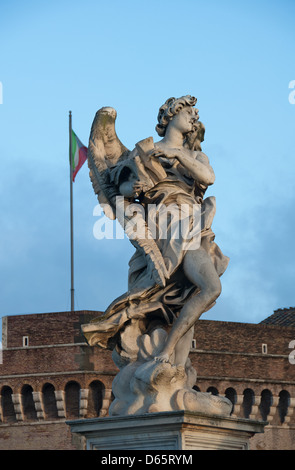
[
  {"x": 178, "y": 430},
  {"x": 156, "y": 191},
  {"x": 145, "y": 385}
]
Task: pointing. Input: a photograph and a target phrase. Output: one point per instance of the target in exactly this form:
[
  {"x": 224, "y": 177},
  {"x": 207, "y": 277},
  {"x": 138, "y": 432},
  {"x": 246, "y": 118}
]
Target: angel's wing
[{"x": 104, "y": 150}]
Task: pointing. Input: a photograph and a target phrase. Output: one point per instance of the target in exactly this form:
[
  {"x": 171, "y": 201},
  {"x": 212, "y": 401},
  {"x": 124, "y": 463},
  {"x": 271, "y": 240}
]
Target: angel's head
[{"x": 171, "y": 108}]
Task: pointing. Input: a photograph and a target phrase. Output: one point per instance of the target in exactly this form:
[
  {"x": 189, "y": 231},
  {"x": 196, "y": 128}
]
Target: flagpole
[{"x": 71, "y": 213}]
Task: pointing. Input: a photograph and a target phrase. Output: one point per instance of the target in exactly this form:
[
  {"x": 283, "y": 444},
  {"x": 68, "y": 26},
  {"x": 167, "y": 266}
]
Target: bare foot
[{"x": 162, "y": 358}]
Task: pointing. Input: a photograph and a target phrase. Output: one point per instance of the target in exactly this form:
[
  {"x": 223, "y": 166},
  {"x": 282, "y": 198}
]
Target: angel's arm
[
  {"x": 199, "y": 167},
  {"x": 196, "y": 163}
]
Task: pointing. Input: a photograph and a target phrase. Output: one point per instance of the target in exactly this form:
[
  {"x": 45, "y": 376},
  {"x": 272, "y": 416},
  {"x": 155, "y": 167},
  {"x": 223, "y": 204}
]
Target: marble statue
[{"x": 156, "y": 191}]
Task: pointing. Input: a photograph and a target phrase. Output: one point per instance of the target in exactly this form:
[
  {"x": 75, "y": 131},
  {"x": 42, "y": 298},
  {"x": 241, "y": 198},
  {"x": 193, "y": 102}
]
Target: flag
[{"x": 79, "y": 154}]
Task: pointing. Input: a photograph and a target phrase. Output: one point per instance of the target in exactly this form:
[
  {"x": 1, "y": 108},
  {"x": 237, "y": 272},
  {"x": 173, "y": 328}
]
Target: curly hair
[{"x": 171, "y": 107}]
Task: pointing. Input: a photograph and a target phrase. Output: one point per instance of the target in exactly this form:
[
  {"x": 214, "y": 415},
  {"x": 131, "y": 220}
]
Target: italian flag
[{"x": 79, "y": 154}]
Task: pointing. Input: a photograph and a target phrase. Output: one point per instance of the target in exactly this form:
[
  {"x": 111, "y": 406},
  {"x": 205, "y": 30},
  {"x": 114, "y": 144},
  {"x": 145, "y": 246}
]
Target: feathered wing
[{"x": 104, "y": 150}]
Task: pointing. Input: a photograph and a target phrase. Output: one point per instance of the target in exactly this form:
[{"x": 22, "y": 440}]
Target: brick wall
[
  {"x": 235, "y": 350},
  {"x": 45, "y": 328},
  {"x": 242, "y": 337},
  {"x": 36, "y": 436},
  {"x": 44, "y": 360},
  {"x": 227, "y": 356}
]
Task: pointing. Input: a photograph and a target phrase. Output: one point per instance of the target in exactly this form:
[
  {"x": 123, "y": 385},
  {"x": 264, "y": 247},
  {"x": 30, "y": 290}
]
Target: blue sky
[{"x": 237, "y": 58}]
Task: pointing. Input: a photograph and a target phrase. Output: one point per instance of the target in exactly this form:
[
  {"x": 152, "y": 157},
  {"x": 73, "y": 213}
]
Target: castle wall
[{"x": 49, "y": 375}]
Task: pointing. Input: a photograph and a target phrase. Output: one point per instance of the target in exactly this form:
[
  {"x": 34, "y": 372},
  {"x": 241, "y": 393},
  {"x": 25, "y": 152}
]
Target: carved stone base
[
  {"x": 145, "y": 385},
  {"x": 175, "y": 430}
]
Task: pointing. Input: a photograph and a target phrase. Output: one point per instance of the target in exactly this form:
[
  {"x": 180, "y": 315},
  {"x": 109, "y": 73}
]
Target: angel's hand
[{"x": 171, "y": 153}]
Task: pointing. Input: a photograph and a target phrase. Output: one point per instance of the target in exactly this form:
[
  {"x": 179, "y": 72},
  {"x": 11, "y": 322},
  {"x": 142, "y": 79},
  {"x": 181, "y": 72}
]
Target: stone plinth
[{"x": 176, "y": 430}]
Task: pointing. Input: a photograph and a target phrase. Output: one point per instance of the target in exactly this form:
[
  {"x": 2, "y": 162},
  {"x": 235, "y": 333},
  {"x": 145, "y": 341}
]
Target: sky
[{"x": 237, "y": 58}]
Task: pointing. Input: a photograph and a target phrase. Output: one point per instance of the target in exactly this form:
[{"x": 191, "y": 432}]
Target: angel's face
[{"x": 184, "y": 120}]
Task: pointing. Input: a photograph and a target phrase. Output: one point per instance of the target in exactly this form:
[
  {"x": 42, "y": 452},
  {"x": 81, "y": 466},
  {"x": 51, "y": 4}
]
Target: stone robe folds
[{"x": 167, "y": 185}]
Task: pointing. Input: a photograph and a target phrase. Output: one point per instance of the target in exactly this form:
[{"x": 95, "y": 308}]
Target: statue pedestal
[{"x": 175, "y": 430}]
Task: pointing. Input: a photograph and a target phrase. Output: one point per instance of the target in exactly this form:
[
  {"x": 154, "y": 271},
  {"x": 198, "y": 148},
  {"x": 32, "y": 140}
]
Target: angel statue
[{"x": 174, "y": 275}]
